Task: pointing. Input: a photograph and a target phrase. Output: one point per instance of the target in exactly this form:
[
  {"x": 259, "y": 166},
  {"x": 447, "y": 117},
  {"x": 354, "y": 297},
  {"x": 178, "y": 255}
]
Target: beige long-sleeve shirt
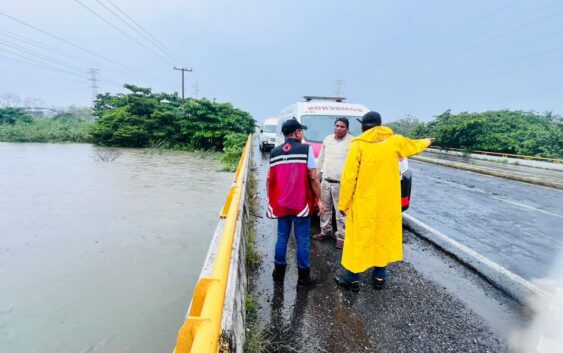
[{"x": 332, "y": 157}]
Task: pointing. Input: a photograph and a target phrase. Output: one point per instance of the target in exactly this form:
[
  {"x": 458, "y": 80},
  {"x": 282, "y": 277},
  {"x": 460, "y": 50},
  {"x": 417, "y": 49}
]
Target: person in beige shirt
[{"x": 330, "y": 164}]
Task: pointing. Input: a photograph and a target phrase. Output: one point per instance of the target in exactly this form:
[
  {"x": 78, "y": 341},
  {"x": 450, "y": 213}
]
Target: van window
[
  {"x": 320, "y": 126},
  {"x": 269, "y": 128}
]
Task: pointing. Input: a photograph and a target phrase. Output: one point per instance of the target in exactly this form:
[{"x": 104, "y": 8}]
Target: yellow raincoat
[{"x": 370, "y": 193}]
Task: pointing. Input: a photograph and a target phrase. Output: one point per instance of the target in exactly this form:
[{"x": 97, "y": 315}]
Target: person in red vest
[{"x": 293, "y": 191}]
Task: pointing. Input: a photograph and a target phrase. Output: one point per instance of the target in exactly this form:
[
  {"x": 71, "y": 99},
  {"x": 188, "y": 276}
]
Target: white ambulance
[{"x": 318, "y": 115}]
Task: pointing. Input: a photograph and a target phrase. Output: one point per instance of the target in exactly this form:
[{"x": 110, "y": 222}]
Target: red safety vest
[{"x": 289, "y": 189}]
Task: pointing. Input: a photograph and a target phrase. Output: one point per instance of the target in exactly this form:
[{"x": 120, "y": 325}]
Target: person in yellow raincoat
[{"x": 370, "y": 196}]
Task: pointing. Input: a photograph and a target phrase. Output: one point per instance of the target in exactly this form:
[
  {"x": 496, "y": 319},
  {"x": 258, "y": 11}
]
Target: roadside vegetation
[
  {"x": 258, "y": 339},
  {"x": 515, "y": 132},
  {"x": 255, "y": 341},
  {"x": 141, "y": 118},
  {"x": 159, "y": 121},
  {"x": 17, "y": 126}
]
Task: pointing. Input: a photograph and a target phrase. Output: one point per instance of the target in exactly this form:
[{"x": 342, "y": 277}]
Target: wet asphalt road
[
  {"x": 430, "y": 304},
  {"x": 518, "y": 225}
]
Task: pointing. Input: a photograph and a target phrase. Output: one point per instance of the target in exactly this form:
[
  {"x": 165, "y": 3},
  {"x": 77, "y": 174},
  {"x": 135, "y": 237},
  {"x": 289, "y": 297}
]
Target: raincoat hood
[{"x": 374, "y": 135}]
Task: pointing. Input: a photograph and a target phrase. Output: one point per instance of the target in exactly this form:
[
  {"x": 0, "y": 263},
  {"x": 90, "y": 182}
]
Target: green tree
[
  {"x": 405, "y": 126},
  {"x": 11, "y": 116},
  {"x": 142, "y": 117},
  {"x": 516, "y": 132}
]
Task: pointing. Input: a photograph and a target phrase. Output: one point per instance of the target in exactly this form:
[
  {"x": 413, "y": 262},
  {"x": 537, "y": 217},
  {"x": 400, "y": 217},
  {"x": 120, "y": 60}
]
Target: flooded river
[{"x": 101, "y": 256}]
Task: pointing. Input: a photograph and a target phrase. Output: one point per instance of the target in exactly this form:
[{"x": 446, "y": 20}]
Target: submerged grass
[
  {"x": 156, "y": 147},
  {"x": 78, "y": 131}
]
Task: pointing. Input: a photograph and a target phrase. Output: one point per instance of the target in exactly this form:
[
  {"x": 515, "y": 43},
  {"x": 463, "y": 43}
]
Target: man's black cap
[
  {"x": 289, "y": 127},
  {"x": 371, "y": 118}
]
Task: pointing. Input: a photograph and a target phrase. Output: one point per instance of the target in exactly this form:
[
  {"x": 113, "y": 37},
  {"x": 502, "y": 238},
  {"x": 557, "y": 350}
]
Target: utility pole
[
  {"x": 94, "y": 83},
  {"x": 183, "y": 69}
]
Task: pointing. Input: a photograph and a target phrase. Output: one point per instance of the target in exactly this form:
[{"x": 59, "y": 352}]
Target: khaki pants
[{"x": 329, "y": 196}]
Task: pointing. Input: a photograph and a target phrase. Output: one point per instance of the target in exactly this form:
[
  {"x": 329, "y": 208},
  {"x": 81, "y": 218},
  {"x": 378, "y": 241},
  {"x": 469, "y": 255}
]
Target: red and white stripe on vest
[{"x": 289, "y": 190}]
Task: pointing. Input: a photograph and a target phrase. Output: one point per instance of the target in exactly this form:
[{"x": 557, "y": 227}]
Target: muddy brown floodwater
[{"x": 101, "y": 256}]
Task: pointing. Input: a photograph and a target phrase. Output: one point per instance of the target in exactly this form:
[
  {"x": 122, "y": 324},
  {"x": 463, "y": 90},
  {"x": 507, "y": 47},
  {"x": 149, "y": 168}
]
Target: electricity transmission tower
[
  {"x": 339, "y": 88},
  {"x": 183, "y": 69},
  {"x": 93, "y": 83}
]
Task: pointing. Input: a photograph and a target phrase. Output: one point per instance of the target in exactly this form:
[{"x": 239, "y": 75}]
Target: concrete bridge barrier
[{"x": 216, "y": 316}]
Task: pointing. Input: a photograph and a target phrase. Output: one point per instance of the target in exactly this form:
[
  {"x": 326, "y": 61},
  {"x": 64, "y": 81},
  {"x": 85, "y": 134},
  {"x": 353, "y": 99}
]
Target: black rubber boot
[
  {"x": 378, "y": 283},
  {"x": 279, "y": 273},
  {"x": 305, "y": 278},
  {"x": 343, "y": 282}
]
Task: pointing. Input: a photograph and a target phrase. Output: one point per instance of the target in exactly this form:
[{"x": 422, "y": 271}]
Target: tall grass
[{"x": 47, "y": 130}]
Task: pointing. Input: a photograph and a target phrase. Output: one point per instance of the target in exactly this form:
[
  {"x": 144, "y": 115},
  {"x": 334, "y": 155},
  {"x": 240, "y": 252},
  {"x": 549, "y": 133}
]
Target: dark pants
[
  {"x": 378, "y": 272},
  {"x": 302, "y": 228}
]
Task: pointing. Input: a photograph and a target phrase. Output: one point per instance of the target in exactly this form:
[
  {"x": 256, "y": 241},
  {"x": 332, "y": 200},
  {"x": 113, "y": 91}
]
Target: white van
[
  {"x": 267, "y": 137},
  {"x": 318, "y": 114}
]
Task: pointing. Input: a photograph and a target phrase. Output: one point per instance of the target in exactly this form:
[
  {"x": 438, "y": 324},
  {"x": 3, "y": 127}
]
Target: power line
[
  {"x": 57, "y": 51},
  {"x": 122, "y": 31},
  {"x": 196, "y": 90},
  {"x": 483, "y": 68},
  {"x": 145, "y": 37},
  {"x": 478, "y": 43},
  {"x": 466, "y": 48},
  {"x": 47, "y": 65},
  {"x": 144, "y": 34},
  {"x": 35, "y": 84},
  {"x": 154, "y": 41},
  {"x": 30, "y": 61},
  {"x": 504, "y": 49},
  {"x": 501, "y": 73},
  {"x": 426, "y": 43},
  {"x": 42, "y": 45},
  {"x": 49, "y": 60},
  {"x": 145, "y": 31},
  {"x": 33, "y": 52},
  {"x": 201, "y": 83},
  {"x": 81, "y": 47}
]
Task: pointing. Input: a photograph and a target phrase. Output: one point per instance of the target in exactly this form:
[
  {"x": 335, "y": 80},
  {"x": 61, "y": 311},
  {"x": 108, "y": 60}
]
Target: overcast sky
[{"x": 399, "y": 57}]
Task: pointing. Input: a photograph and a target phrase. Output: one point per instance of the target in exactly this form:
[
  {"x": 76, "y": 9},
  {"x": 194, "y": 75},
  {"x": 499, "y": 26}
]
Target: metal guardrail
[
  {"x": 202, "y": 328},
  {"x": 505, "y": 155}
]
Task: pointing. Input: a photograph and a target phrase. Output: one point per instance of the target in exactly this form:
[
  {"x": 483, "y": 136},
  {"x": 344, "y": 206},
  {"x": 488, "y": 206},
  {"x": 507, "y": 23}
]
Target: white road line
[
  {"x": 475, "y": 255},
  {"x": 528, "y": 207}
]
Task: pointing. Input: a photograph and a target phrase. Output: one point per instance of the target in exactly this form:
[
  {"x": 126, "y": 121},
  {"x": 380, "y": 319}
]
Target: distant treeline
[
  {"x": 515, "y": 132},
  {"x": 140, "y": 118},
  {"x": 143, "y": 119},
  {"x": 18, "y": 126}
]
